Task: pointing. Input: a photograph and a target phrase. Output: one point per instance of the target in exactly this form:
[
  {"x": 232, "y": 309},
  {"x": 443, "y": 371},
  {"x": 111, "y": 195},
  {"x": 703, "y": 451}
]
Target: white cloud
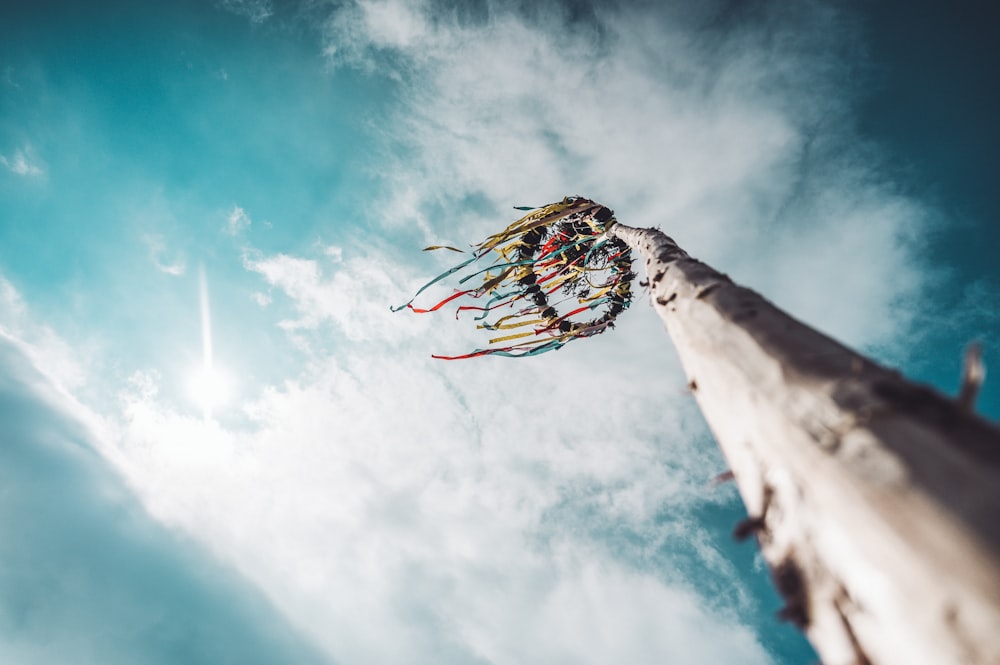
[
  {"x": 50, "y": 354},
  {"x": 334, "y": 253},
  {"x": 729, "y": 130},
  {"x": 381, "y": 24},
  {"x": 158, "y": 252},
  {"x": 394, "y": 23},
  {"x": 21, "y": 163},
  {"x": 257, "y": 11},
  {"x": 237, "y": 221},
  {"x": 457, "y": 507},
  {"x": 354, "y": 296}
]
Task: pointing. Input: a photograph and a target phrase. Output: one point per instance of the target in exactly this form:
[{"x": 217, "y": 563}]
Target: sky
[{"x": 262, "y": 174}]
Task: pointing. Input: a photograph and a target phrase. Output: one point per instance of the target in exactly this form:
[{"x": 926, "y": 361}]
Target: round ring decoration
[{"x": 556, "y": 276}]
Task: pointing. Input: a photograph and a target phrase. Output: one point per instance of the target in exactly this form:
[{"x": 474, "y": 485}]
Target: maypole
[{"x": 875, "y": 500}]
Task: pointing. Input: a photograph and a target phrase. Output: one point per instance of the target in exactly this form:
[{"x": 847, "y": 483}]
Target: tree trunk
[{"x": 876, "y": 501}]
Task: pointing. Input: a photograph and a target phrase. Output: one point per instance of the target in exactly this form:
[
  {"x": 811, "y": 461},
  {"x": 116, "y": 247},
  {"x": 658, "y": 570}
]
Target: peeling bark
[{"x": 875, "y": 500}]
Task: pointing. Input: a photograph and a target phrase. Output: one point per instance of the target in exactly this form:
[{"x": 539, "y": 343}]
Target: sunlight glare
[{"x": 209, "y": 388}]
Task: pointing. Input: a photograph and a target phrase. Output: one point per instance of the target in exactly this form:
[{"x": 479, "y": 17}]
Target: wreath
[{"x": 556, "y": 258}]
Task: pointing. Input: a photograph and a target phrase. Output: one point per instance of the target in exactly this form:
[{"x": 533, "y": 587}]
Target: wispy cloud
[
  {"x": 257, "y": 11},
  {"x": 237, "y": 221},
  {"x": 350, "y": 294},
  {"x": 158, "y": 253},
  {"x": 21, "y": 163},
  {"x": 9, "y": 78},
  {"x": 61, "y": 364},
  {"x": 356, "y": 28}
]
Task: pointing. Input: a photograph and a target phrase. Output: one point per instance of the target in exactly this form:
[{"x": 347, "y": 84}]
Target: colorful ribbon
[{"x": 562, "y": 246}]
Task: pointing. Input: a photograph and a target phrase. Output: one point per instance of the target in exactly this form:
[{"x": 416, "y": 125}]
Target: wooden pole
[{"x": 875, "y": 500}]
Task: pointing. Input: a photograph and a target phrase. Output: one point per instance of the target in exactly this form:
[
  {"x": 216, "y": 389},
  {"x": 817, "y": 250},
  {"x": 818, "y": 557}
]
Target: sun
[{"x": 209, "y": 388}]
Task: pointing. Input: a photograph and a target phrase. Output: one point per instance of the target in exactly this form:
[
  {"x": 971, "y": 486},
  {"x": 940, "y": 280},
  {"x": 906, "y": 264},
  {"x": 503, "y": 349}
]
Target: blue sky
[{"x": 352, "y": 500}]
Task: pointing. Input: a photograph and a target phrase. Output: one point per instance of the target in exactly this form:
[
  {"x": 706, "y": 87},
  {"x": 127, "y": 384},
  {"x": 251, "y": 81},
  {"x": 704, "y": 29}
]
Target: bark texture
[{"x": 875, "y": 500}]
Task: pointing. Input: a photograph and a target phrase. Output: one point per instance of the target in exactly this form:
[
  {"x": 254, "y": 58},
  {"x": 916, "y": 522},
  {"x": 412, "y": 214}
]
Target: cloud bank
[
  {"x": 729, "y": 126},
  {"x": 474, "y": 513},
  {"x": 20, "y": 163}
]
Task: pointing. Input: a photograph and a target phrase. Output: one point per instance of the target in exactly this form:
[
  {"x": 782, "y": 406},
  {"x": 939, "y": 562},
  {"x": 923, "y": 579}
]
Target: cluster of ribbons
[{"x": 557, "y": 257}]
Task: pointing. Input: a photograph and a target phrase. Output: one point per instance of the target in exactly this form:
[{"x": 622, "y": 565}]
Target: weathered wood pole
[{"x": 875, "y": 500}]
